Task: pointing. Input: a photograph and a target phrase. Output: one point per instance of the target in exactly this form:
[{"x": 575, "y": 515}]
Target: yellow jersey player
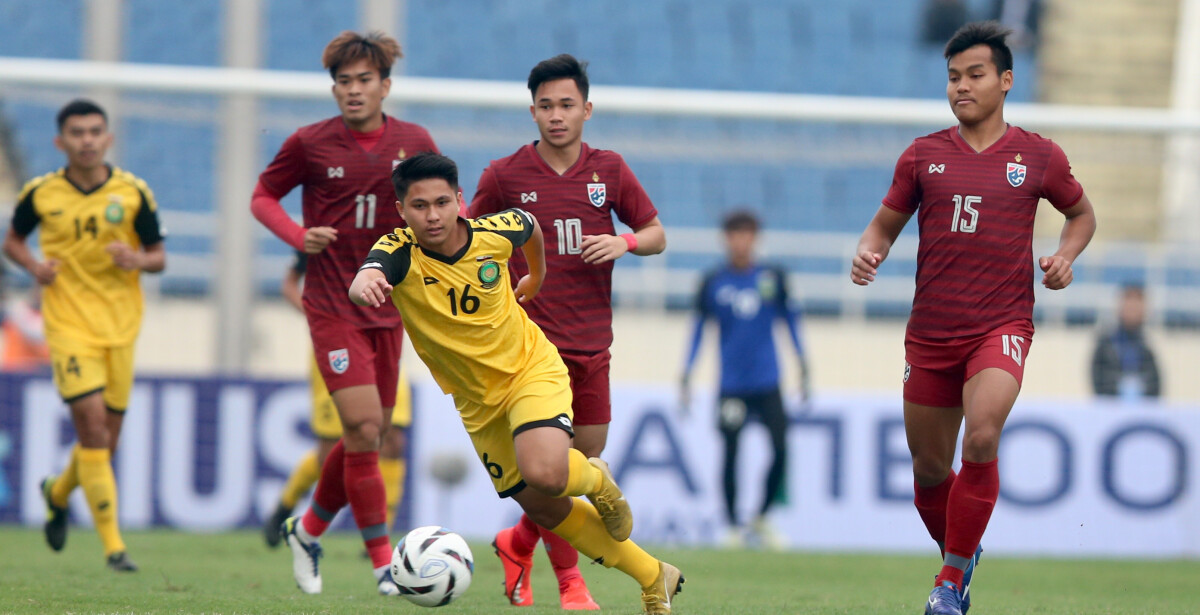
[
  {"x": 448, "y": 278},
  {"x": 327, "y": 428},
  {"x": 99, "y": 231}
]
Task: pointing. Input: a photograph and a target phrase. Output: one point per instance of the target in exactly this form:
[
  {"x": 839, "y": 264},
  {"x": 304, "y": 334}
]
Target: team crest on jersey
[
  {"x": 596, "y": 193},
  {"x": 339, "y": 360},
  {"x": 1015, "y": 174},
  {"x": 489, "y": 274},
  {"x": 114, "y": 213}
]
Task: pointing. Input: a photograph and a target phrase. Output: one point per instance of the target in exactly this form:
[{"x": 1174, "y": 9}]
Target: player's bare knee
[
  {"x": 928, "y": 471},
  {"x": 545, "y": 477},
  {"x": 981, "y": 445},
  {"x": 363, "y": 435}
]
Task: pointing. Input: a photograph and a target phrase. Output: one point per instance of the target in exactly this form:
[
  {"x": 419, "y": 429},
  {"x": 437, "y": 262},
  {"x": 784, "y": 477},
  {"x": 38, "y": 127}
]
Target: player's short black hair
[
  {"x": 79, "y": 106},
  {"x": 562, "y": 66},
  {"x": 425, "y": 165},
  {"x": 989, "y": 33},
  {"x": 740, "y": 220}
]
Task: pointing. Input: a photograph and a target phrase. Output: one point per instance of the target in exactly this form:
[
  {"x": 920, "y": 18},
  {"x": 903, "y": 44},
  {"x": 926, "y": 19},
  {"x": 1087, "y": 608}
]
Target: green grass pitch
[{"x": 236, "y": 573}]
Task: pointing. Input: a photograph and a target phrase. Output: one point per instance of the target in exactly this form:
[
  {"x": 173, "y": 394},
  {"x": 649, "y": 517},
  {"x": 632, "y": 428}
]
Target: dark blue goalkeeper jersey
[{"x": 745, "y": 303}]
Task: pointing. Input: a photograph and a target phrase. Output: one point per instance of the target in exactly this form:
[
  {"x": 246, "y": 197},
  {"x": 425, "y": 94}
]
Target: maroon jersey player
[
  {"x": 574, "y": 191},
  {"x": 975, "y": 188},
  {"x": 344, "y": 164}
]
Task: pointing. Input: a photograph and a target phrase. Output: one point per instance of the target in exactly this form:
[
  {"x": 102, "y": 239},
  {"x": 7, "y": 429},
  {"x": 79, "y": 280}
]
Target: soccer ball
[{"x": 432, "y": 566}]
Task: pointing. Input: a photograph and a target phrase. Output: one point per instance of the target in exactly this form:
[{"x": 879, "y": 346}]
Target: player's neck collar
[
  {"x": 458, "y": 254},
  {"x": 67, "y": 176}
]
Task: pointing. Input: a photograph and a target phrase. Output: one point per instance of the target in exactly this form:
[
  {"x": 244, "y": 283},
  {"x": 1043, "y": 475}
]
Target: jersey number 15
[{"x": 965, "y": 214}]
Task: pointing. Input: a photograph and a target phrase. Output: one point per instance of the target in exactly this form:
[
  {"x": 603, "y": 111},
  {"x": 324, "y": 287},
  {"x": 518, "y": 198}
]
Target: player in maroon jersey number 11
[
  {"x": 344, "y": 164},
  {"x": 975, "y": 188}
]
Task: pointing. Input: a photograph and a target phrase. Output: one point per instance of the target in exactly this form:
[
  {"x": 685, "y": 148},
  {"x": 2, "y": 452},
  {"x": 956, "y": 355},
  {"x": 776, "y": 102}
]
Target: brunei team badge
[
  {"x": 489, "y": 274},
  {"x": 114, "y": 213}
]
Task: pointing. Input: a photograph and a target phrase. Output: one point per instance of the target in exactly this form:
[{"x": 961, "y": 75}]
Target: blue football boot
[
  {"x": 965, "y": 598},
  {"x": 943, "y": 600}
]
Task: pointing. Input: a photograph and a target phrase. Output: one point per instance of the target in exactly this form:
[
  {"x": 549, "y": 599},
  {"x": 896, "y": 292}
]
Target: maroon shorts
[
  {"x": 348, "y": 356},
  {"x": 591, "y": 401},
  {"x": 936, "y": 370}
]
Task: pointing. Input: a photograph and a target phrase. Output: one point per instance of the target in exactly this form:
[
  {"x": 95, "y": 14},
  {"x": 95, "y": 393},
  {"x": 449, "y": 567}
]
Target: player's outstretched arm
[
  {"x": 17, "y": 250},
  {"x": 370, "y": 288},
  {"x": 875, "y": 244},
  {"x": 1076, "y": 234},
  {"x": 534, "y": 250}
]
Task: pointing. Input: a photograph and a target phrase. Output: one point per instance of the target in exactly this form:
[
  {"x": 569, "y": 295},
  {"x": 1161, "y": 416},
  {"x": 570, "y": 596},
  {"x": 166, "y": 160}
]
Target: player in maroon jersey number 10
[
  {"x": 975, "y": 188},
  {"x": 574, "y": 190}
]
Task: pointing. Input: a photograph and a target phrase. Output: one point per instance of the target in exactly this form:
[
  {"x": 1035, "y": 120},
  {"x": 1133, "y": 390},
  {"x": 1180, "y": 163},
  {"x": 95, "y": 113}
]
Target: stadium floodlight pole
[{"x": 476, "y": 93}]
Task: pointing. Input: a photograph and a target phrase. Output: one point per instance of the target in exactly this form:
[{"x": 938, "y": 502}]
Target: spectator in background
[
  {"x": 1123, "y": 364},
  {"x": 745, "y": 298}
]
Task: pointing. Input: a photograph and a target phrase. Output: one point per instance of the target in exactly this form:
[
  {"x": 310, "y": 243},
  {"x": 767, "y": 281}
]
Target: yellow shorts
[
  {"x": 325, "y": 422},
  {"x": 81, "y": 369},
  {"x": 541, "y": 398}
]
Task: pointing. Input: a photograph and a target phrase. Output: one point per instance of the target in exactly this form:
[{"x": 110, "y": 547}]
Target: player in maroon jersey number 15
[
  {"x": 975, "y": 188},
  {"x": 574, "y": 190},
  {"x": 344, "y": 164}
]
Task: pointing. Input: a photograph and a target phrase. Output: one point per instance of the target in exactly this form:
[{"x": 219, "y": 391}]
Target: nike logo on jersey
[
  {"x": 430, "y": 280},
  {"x": 529, "y": 197},
  {"x": 937, "y": 168}
]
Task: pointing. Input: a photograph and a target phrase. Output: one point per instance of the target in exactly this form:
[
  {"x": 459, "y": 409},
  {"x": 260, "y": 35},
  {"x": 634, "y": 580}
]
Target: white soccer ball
[{"x": 432, "y": 566}]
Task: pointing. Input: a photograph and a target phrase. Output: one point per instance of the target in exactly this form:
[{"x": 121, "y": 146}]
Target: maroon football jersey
[
  {"x": 350, "y": 190},
  {"x": 975, "y": 214},
  {"x": 574, "y": 306}
]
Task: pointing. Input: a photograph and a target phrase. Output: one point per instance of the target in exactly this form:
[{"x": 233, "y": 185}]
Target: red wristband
[{"x": 630, "y": 241}]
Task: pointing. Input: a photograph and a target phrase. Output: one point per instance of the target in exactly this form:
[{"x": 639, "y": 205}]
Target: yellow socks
[
  {"x": 66, "y": 482},
  {"x": 585, "y": 531},
  {"x": 100, "y": 487},
  {"x": 303, "y": 477},
  {"x": 582, "y": 477},
  {"x": 392, "y": 471}
]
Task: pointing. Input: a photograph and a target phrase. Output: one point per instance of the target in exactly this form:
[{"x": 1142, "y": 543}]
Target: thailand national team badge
[
  {"x": 1015, "y": 174},
  {"x": 907, "y": 371},
  {"x": 339, "y": 360},
  {"x": 596, "y": 193},
  {"x": 489, "y": 274}
]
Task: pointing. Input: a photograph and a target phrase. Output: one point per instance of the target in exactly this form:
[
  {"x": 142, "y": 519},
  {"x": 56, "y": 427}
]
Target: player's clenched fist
[
  {"x": 1058, "y": 272},
  {"x": 317, "y": 238},
  {"x": 863, "y": 267}
]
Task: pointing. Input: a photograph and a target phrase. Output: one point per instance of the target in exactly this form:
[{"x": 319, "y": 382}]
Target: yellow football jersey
[
  {"x": 460, "y": 311},
  {"x": 91, "y": 300}
]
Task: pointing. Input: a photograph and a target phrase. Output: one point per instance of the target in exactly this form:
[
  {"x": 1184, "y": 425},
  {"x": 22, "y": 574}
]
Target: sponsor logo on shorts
[
  {"x": 339, "y": 360},
  {"x": 907, "y": 371}
]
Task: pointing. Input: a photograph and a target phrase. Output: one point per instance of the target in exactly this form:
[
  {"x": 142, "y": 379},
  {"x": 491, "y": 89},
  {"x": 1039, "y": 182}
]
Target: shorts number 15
[{"x": 965, "y": 214}]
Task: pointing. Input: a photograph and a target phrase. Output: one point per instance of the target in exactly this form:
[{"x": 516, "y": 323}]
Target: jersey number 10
[{"x": 570, "y": 235}]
